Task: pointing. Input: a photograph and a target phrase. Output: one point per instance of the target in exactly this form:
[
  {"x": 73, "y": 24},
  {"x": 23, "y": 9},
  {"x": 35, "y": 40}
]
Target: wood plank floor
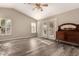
[{"x": 36, "y": 47}]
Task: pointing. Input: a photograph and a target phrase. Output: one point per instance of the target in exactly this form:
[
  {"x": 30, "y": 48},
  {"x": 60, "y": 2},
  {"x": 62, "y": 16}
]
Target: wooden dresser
[{"x": 70, "y": 36}]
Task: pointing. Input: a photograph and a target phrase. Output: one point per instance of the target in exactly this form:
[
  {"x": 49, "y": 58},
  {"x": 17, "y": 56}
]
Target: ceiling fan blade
[{"x": 44, "y": 4}]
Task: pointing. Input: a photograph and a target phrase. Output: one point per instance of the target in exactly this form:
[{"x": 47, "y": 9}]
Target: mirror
[
  {"x": 68, "y": 27},
  {"x": 5, "y": 26}
]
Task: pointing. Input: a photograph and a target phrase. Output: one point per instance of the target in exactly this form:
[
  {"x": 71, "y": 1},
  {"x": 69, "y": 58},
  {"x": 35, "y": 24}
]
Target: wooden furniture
[{"x": 69, "y": 35}]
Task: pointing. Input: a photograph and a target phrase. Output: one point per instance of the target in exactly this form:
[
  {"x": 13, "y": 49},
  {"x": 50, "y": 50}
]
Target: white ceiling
[{"x": 52, "y": 9}]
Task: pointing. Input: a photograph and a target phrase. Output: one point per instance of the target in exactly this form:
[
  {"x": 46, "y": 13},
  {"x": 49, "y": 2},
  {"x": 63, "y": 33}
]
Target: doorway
[{"x": 49, "y": 28}]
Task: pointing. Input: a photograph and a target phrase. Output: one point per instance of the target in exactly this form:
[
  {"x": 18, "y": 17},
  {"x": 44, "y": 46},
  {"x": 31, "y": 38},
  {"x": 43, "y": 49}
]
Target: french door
[{"x": 49, "y": 29}]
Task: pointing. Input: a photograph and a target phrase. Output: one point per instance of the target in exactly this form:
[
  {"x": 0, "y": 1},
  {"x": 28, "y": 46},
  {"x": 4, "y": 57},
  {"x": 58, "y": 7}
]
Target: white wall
[
  {"x": 21, "y": 24},
  {"x": 68, "y": 17}
]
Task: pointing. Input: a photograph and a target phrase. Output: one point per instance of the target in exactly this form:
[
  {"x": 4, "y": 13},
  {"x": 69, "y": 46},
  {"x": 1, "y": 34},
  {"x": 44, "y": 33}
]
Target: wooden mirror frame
[{"x": 59, "y": 27}]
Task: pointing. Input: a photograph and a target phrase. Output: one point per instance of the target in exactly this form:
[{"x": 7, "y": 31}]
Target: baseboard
[
  {"x": 16, "y": 38},
  {"x": 48, "y": 39}
]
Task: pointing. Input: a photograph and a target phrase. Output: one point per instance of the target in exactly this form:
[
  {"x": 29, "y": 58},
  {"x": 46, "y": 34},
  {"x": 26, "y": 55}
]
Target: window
[
  {"x": 33, "y": 27},
  {"x": 5, "y": 26}
]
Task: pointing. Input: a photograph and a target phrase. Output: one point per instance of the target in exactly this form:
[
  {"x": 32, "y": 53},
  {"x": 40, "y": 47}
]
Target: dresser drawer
[{"x": 60, "y": 35}]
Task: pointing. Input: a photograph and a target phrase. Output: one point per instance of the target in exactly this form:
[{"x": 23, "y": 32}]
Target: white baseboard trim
[{"x": 17, "y": 38}]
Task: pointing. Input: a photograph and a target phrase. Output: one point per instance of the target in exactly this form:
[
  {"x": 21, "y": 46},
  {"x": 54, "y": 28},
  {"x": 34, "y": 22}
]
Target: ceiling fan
[{"x": 38, "y": 6}]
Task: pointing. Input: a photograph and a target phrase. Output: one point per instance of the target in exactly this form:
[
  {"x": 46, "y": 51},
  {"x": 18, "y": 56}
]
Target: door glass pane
[{"x": 33, "y": 27}]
